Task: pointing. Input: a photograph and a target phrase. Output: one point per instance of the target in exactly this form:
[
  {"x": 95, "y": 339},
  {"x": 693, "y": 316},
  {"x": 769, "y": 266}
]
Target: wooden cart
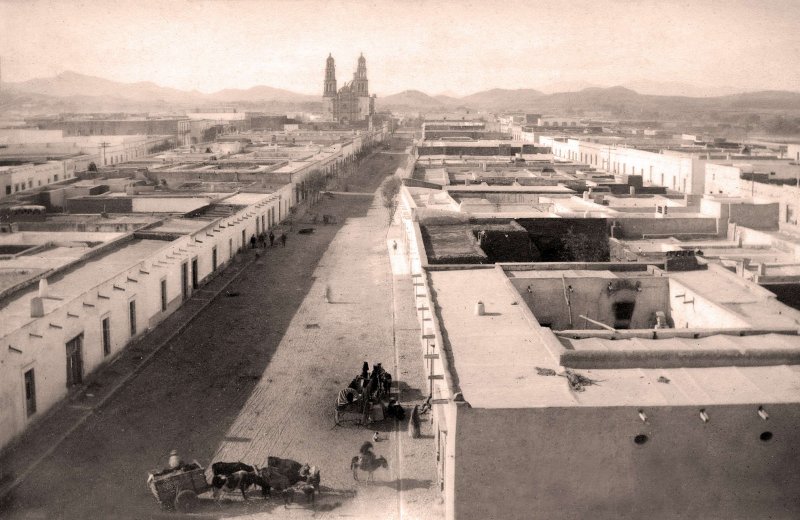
[{"x": 179, "y": 489}]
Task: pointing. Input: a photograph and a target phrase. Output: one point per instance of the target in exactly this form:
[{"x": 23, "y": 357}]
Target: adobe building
[
  {"x": 75, "y": 290},
  {"x": 125, "y": 249},
  {"x": 664, "y": 387},
  {"x": 636, "y": 390}
]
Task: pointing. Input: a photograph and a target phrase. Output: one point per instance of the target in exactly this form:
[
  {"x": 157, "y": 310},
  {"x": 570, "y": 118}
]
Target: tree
[
  {"x": 390, "y": 187},
  {"x": 583, "y": 247},
  {"x": 92, "y": 167},
  {"x": 315, "y": 183}
]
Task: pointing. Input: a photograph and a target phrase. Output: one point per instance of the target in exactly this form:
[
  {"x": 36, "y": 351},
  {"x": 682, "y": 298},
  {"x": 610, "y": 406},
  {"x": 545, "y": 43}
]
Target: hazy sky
[{"x": 458, "y": 46}]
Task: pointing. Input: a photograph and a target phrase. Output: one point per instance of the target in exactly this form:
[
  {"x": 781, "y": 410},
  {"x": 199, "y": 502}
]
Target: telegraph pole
[{"x": 104, "y": 145}]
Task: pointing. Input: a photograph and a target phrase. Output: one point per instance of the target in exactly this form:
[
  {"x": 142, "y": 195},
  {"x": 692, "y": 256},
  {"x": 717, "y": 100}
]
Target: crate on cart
[{"x": 179, "y": 489}]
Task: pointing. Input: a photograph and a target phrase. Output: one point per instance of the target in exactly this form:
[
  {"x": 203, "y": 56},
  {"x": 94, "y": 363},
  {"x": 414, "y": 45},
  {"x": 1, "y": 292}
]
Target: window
[
  {"x": 106, "y": 325},
  {"x": 55, "y": 178},
  {"x": 163, "y": 295},
  {"x": 30, "y": 393},
  {"x": 132, "y": 316},
  {"x": 8, "y": 190}
]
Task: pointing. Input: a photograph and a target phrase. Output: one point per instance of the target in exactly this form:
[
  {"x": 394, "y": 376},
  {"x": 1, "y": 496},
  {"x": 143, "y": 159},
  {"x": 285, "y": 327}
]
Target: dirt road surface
[{"x": 256, "y": 374}]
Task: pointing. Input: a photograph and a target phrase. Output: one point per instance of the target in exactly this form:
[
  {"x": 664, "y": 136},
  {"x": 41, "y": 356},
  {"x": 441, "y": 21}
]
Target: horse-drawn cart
[
  {"x": 351, "y": 407},
  {"x": 179, "y": 489},
  {"x": 362, "y": 401}
]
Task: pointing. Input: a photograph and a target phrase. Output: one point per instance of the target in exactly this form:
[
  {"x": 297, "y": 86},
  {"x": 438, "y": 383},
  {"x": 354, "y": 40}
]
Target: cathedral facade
[{"x": 352, "y": 102}]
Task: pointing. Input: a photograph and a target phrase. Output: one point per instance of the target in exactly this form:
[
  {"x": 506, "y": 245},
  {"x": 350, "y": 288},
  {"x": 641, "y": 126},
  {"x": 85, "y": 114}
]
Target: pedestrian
[
  {"x": 262, "y": 240},
  {"x": 414, "y": 423},
  {"x": 283, "y": 238},
  {"x": 252, "y": 241},
  {"x": 271, "y": 238}
]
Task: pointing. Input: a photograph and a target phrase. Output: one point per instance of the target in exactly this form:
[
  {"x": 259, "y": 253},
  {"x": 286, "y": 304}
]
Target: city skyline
[{"x": 454, "y": 47}]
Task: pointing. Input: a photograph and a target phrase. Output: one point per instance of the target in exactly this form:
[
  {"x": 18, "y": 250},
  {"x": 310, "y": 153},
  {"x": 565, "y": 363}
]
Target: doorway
[
  {"x": 623, "y": 312},
  {"x": 194, "y": 273},
  {"x": 185, "y": 280},
  {"x": 75, "y": 361}
]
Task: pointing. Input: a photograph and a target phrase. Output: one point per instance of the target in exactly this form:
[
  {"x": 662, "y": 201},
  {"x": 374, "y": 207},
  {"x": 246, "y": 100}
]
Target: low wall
[
  {"x": 636, "y": 228},
  {"x": 103, "y": 205},
  {"x": 583, "y": 462}
]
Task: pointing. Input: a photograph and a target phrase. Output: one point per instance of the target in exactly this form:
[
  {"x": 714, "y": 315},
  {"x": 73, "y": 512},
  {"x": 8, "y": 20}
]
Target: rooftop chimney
[{"x": 37, "y": 307}]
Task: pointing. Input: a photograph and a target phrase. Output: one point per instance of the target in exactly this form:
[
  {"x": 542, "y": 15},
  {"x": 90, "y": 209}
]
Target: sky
[{"x": 455, "y": 46}]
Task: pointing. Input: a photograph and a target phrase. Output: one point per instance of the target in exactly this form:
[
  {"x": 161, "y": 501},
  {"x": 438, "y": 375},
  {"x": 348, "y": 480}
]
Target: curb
[{"x": 4, "y": 491}]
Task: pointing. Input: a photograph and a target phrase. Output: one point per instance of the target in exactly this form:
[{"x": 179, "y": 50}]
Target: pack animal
[
  {"x": 229, "y": 468},
  {"x": 241, "y": 480},
  {"x": 290, "y": 468}
]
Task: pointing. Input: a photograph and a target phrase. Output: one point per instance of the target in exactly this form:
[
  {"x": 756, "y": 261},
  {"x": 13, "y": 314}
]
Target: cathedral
[{"x": 351, "y": 103}]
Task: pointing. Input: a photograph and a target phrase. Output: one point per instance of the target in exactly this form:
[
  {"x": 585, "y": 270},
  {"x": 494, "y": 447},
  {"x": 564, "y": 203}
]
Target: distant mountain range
[
  {"x": 72, "y": 92},
  {"x": 619, "y": 100}
]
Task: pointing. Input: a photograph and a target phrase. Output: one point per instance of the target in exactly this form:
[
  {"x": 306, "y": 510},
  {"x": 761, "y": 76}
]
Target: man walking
[
  {"x": 252, "y": 241},
  {"x": 283, "y": 238},
  {"x": 271, "y": 238}
]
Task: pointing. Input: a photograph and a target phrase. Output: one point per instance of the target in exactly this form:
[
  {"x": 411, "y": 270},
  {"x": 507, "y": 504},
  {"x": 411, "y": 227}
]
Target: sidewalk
[
  {"x": 20, "y": 458},
  {"x": 417, "y": 457}
]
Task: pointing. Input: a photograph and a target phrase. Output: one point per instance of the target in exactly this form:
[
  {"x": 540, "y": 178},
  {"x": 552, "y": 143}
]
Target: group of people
[
  {"x": 378, "y": 381},
  {"x": 261, "y": 239},
  {"x": 374, "y": 384}
]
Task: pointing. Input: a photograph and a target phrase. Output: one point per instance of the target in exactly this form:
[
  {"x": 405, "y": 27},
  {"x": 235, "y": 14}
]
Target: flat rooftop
[
  {"x": 545, "y": 190},
  {"x": 78, "y": 281},
  {"x": 495, "y": 357}
]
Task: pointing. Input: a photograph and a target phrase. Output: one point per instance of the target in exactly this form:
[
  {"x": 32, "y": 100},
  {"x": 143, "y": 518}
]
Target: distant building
[
  {"x": 82, "y": 126},
  {"x": 350, "y": 103}
]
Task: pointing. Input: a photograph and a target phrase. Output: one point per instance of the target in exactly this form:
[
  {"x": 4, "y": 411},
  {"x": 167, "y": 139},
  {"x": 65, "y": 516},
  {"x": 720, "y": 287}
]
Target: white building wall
[
  {"x": 676, "y": 172},
  {"x": 40, "y": 344},
  {"x": 26, "y": 177}
]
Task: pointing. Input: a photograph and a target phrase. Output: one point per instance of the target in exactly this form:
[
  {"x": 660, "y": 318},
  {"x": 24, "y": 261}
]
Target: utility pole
[{"x": 104, "y": 145}]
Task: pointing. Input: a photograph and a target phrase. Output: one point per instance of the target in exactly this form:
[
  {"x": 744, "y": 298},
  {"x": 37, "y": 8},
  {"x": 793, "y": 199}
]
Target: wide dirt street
[{"x": 257, "y": 374}]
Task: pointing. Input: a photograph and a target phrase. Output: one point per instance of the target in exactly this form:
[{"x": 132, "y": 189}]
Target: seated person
[
  {"x": 395, "y": 410},
  {"x": 346, "y": 396}
]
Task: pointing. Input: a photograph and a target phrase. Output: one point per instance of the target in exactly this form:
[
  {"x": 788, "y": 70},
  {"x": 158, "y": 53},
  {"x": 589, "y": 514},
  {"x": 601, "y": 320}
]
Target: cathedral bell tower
[
  {"x": 360, "y": 83},
  {"x": 330, "y": 78}
]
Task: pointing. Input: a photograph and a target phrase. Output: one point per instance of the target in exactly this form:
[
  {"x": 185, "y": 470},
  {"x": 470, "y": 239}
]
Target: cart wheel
[{"x": 186, "y": 501}]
